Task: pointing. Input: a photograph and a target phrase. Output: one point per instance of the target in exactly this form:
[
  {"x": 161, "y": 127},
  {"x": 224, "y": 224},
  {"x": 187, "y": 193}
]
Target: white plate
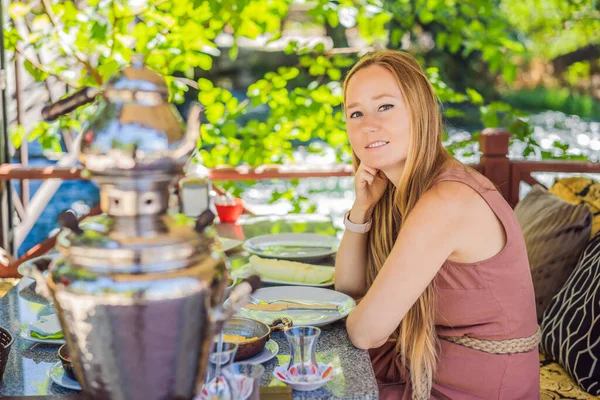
[
  {"x": 58, "y": 376},
  {"x": 26, "y": 335},
  {"x": 271, "y": 349},
  {"x": 301, "y": 293},
  {"x": 298, "y": 246},
  {"x": 245, "y": 271},
  {"x": 229, "y": 244}
]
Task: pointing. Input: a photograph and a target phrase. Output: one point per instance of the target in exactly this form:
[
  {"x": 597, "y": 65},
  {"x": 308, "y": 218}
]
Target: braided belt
[
  {"x": 422, "y": 390},
  {"x": 509, "y": 346}
]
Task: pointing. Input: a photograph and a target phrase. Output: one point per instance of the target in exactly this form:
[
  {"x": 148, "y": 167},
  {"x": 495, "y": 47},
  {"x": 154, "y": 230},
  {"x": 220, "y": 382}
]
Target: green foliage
[
  {"x": 556, "y": 99},
  {"x": 94, "y": 39},
  {"x": 554, "y": 27}
]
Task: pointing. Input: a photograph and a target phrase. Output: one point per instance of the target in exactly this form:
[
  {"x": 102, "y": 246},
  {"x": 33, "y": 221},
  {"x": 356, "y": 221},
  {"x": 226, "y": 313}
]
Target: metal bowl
[{"x": 251, "y": 328}]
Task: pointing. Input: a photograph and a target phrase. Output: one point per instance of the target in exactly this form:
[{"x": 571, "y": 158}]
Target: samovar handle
[
  {"x": 238, "y": 297},
  {"x": 205, "y": 219},
  {"x": 68, "y": 104},
  {"x": 68, "y": 219}
]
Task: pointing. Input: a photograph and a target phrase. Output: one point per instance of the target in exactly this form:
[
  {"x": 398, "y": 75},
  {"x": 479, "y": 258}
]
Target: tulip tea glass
[{"x": 303, "y": 366}]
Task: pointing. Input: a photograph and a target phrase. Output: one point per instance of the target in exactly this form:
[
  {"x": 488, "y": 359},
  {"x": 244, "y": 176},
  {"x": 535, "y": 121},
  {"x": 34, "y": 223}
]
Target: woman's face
[{"x": 377, "y": 119}]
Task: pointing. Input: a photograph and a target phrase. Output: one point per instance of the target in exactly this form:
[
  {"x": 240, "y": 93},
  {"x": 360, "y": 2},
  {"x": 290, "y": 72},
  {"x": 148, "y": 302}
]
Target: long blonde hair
[{"x": 417, "y": 339}]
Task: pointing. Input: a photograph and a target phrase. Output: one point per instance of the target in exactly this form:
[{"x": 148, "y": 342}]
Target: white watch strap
[{"x": 356, "y": 228}]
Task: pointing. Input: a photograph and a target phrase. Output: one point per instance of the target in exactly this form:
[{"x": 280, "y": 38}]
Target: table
[{"x": 27, "y": 370}]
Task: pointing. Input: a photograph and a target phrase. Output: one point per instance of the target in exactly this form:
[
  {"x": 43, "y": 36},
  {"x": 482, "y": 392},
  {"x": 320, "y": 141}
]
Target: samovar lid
[{"x": 137, "y": 77}]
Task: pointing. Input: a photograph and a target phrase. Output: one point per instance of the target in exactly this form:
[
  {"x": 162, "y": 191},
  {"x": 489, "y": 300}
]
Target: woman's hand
[{"x": 370, "y": 184}]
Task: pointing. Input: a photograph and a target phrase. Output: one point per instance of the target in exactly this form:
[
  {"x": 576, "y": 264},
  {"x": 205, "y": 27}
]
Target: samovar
[{"x": 138, "y": 291}]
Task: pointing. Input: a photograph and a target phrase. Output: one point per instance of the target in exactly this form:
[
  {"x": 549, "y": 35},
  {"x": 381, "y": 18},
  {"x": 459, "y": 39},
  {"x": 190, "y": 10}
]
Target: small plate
[
  {"x": 293, "y": 246},
  {"x": 300, "y": 293},
  {"x": 280, "y": 372},
  {"x": 25, "y": 268},
  {"x": 271, "y": 349},
  {"x": 246, "y": 270},
  {"x": 26, "y": 335},
  {"x": 58, "y": 376},
  {"x": 229, "y": 244}
]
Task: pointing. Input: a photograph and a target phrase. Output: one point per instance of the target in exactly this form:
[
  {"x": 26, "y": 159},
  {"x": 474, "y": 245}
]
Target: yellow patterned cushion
[
  {"x": 555, "y": 383},
  {"x": 580, "y": 190}
]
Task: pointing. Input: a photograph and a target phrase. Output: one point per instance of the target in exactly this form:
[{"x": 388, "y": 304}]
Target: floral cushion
[
  {"x": 580, "y": 190},
  {"x": 556, "y": 384}
]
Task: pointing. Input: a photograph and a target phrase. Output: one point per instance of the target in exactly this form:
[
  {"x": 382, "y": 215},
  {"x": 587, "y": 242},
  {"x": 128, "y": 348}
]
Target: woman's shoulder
[
  {"x": 457, "y": 190},
  {"x": 454, "y": 171},
  {"x": 452, "y": 195}
]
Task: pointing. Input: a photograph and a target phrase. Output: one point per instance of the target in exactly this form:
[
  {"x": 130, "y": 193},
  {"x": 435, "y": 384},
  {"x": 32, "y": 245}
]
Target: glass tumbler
[
  {"x": 215, "y": 385},
  {"x": 244, "y": 379}
]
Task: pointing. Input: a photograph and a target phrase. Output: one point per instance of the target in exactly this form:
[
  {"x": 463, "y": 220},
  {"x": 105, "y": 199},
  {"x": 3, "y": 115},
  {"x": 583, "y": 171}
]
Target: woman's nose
[{"x": 370, "y": 124}]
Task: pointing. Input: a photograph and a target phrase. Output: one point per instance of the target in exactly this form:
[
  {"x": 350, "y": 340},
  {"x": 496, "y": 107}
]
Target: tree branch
[
  {"x": 114, "y": 32},
  {"x": 78, "y": 55},
  {"x": 562, "y": 62},
  {"x": 41, "y": 68},
  {"x": 39, "y": 59}
]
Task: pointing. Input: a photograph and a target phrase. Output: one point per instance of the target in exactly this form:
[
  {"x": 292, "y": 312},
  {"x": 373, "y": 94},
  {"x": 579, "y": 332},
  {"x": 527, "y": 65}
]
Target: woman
[{"x": 432, "y": 250}]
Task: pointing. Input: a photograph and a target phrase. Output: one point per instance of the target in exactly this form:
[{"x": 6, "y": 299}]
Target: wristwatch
[{"x": 356, "y": 228}]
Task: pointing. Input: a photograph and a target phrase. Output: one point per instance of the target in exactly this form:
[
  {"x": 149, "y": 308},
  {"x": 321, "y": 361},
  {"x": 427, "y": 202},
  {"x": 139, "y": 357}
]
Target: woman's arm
[
  {"x": 431, "y": 233},
  {"x": 351, "y": 258}
]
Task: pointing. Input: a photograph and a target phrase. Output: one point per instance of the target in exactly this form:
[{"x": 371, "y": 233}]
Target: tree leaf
[
  {"x": 475, "y": 97},
  {"x": 35, "y": 72},
  {"x": 18, "y": 10}
]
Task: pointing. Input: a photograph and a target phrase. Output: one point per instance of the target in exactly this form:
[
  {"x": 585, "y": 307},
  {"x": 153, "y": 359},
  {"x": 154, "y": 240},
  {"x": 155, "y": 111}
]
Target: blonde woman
[{"x": 432, "y": 250}]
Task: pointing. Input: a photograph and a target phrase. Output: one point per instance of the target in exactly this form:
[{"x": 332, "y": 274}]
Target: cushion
[
  {"x": 580, "y": 190},
  {"x": 571, "y": 324},
  {"x": 556, "y": 384},
  {"x": 555, "y": 232}
]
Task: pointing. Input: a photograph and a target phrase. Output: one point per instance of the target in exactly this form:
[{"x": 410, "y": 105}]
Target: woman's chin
[{"x": 381, "y": 163}]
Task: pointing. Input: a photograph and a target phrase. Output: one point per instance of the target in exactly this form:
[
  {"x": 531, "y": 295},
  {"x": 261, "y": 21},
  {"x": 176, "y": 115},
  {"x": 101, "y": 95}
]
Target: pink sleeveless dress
[{"x": 491, "y": 299}]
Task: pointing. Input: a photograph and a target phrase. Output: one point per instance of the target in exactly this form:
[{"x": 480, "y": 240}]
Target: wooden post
[{"x": 495, "y": 164}]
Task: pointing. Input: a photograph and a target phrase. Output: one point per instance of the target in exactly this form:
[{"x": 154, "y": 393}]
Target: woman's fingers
[
  {"x": 367, "y": 177},
  {"x": 370, "y": 170}
]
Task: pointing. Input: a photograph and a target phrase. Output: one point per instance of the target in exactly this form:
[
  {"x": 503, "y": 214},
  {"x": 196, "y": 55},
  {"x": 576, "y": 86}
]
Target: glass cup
[
  {"x": 244, "y": 380},
  {"x": 303, "y": 364},
  {"x": 215, "y": 385}
]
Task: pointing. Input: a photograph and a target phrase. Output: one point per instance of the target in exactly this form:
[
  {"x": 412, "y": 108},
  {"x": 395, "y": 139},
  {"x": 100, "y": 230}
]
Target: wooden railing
[{"x": 506, "y": 174}]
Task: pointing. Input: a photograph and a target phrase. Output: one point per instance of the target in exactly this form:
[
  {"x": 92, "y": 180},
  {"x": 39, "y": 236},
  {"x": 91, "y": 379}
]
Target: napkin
[{"x": 46, "y": 328}]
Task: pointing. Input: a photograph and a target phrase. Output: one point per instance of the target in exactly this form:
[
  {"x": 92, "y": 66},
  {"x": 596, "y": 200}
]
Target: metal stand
[{"x": 6, "y": 205}]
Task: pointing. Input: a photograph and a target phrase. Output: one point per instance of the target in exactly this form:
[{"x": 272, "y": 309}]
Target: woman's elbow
[
  {"x": 363, "y": 340},
  {"x": 360, "y": 343}
]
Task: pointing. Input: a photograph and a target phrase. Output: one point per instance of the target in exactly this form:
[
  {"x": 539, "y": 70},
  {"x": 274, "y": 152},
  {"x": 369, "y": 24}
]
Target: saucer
[
  {"x": 271, "y": 349},
  {"x": 281, "y": 373},
  {"x": 58, "y": 376}
]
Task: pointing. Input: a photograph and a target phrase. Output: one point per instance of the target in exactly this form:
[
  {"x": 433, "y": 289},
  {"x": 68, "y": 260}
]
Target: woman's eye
[
  {"x": 386, "y": 107},
  {"x": 355, "y": 114}
]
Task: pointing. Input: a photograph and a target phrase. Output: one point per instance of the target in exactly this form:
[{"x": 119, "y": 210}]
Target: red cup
[{"x": 230, "y": 213}]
